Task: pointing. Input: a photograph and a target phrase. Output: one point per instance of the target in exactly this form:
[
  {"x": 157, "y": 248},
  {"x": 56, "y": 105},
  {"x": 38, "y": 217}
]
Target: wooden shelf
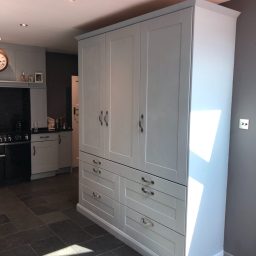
[{"x": 20, "y": 84}]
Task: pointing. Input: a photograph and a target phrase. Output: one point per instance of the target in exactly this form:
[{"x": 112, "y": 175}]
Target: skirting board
[
  {"x": 220, "y": 254},
  {"x": 228, "y": 254},
  {"x": 115, "y": 232}
]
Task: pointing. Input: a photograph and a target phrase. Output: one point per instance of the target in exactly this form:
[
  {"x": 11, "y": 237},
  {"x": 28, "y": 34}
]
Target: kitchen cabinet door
[
  {"x": 38, "y": 106},
  {"x": 122, "y": 89},
  {"x": 65, "y": 149},
  {"x": 92, "y": 94},
  {"x": 164, "y": 96},
  {"x": 44, "y": 156}
]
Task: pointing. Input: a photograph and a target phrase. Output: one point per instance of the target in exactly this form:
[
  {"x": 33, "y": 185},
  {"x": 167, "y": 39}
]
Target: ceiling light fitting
[{"x": 24, "y": 25}]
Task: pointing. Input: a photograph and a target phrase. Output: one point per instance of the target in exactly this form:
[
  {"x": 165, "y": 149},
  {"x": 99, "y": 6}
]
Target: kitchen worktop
[{"x": 46, "y": 130}]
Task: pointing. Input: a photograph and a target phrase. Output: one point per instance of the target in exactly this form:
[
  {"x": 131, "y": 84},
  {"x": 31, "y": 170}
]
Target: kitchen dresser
[{"x": 155, "y": 103}]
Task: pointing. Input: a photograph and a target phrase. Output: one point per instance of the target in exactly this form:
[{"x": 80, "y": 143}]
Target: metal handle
[
  {"x": 149, "y": 182},
  {"x": 96, "y": 196},
  {"x": 44, "y": 137},
  {"x": 146, "y": 222},
  {"x": 106, "y": 118},
  {"x": 140, "y": 123},
  {"x": 34, "y": 150},
  {"x": 59, "y": 139},
  {"x": 96, "y": 162},
  {"x": 100, "y": 118},
  {"x": 2, "y": 156},
  {"x": 96, "y": 171},
  {"x": 148, "y": 192}
]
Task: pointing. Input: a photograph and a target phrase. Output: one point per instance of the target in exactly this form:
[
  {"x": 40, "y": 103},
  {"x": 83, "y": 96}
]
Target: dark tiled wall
[
  {"x": 59, "y": 69},
  {"x": 14, "y": 106}
]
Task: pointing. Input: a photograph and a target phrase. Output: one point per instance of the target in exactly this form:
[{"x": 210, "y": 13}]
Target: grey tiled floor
[{"x": 39, "y": 218}]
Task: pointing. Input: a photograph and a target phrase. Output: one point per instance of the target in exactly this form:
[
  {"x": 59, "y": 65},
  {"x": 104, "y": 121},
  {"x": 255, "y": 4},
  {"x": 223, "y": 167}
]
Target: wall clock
[{"x": 3, "y": 61}]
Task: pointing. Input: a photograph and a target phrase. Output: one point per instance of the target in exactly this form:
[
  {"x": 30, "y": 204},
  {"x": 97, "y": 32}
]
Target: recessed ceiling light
[
  {"x": 72, "y": 1},
  {"x": 24, "y": 25}
]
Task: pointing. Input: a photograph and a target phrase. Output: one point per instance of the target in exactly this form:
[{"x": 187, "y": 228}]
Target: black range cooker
[
  {"x": 15, "y": 146},
  {"x": 15, "y": 160}
]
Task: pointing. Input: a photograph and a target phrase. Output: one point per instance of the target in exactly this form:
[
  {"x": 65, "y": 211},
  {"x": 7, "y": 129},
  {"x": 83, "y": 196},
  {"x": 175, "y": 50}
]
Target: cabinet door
[
  {"x": 164, "y": 96},
  {"x": 65, "y": 152},
  {"x": 92, "y": 95},
  {"x": 44, "y": 156},
  {"x": 38, "y": 106},
  {"x": 123, "y": 74}
]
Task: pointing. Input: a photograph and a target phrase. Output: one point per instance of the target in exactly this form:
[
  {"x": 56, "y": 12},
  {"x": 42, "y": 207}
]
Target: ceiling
[{"x": 53, "y": 24}]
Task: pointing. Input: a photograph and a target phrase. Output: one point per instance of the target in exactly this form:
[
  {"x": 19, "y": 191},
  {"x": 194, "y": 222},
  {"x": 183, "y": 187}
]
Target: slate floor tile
[
  {"x": 52, "y": 217},
  {"x": 46, "y": 246},
  {"x": 78, "y": 218},
  {"x": 102, "y": 244},
  {"x": 69, "y": 232},
  {"x": 95, "y": 230},
  {"x": 42, "y": 209},
  {"x": 4, "y": 219},
  {"x": 25, "y": 250},
  {"x": 125, "y": 251},
  {"x": 40, "y": 218},
  {"x": 7, "y": 229},
  {"x": 24, "y": 237}
]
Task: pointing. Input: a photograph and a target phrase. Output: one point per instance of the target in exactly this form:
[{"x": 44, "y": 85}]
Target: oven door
[
  {"x": 18, "y": 162},
  {"x": 2, "y": 163}
]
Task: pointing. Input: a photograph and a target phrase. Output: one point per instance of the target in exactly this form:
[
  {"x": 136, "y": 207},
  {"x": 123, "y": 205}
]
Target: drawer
[
  {"x": 44, "y": 137},
  {"x": 107, "y": 183},
  {"x": 99, "y": 204},
  {"x": 168, "y": 210},
  {"x": 158, "y": 238},
  {"x": 138, "y": 176}
]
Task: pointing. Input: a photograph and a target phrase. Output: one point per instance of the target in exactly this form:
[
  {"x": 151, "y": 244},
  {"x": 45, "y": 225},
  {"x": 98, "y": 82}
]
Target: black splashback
[{"x": 14, "y": 110}]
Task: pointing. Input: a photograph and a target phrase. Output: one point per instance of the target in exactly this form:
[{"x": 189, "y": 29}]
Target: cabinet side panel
[{"x": 212, "y": 79}]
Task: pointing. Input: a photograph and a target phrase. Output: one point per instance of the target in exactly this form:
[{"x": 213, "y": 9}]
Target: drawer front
[
  {"x": 101, "y": 205},
  {"x": 107, "y": 183},
  {"x": 136, "y": 175},
  {"x": 158, "y": 238},
  {"x": 168, "y": 210},
  {"x": 44, "y": 137}
]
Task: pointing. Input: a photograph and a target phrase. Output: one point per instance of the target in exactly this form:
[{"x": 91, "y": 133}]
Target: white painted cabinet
[
  {"x": 155, "y": 97},
  {"x": 44, "y": 153},
  {"x": 92, "y": 94},
  {"x": 164, "y": 95},
  {"x": 38, "y": 106},
  {"x": 65, "y": 149},
  {"x": 122, "y": 91}
]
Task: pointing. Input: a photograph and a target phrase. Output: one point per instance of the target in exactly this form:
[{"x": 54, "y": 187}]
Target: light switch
[{"x": 244, "y": 124}]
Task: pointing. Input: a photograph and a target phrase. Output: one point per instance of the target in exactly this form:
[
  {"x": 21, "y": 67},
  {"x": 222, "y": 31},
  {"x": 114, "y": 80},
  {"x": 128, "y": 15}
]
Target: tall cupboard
[{"x": 155, "y": 100}]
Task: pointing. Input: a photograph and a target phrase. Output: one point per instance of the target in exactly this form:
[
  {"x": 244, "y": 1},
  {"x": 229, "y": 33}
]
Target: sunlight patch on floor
[{"x": 70, "y": 250}]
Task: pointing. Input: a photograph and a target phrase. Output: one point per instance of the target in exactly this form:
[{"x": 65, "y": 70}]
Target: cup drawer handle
[
  {"x": 148, "y": 182},
  {"x": 148, "y": 192},
  {"x": 146, "y": 222},
  {"x": 96, "y": 171},
  {"x": 96, "y": 196}
]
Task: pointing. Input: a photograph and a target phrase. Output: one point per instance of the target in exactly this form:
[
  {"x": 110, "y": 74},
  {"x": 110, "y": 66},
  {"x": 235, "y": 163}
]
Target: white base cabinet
[
  {"x": 65, "y": 149},
  {"x": 50, "y": 153},
  {"x": 44, "y": 151},
  {"x": 155, "y": 107}
]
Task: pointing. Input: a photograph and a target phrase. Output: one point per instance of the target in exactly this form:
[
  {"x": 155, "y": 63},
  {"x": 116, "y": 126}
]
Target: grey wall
[
  {"x": 240, "y": 231},
  {"x": 59, "y": 69},
  {"x": 22, "y": 58}
]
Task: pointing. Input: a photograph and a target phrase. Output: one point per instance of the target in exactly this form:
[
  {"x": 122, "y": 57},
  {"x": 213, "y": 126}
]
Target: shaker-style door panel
[
  {"x": 91, "y": 96},
  {"x": 164, "y": 97},
  {"x": 123, "y": 74}
]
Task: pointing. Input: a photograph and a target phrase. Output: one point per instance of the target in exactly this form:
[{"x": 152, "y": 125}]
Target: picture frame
[
  {"x": 38, "y": 77},
  {"x": 30, "y": 78}
]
